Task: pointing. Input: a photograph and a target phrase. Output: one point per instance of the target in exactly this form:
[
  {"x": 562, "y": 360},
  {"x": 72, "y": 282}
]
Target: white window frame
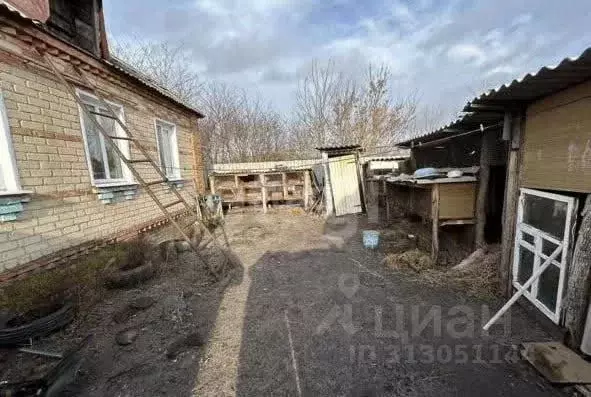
[
  {"x": 123, "y": 145},
  {"x": 174, "y": 146},
  {"x": 536, "y": 250},
  {"x": 8, "y": 166}
]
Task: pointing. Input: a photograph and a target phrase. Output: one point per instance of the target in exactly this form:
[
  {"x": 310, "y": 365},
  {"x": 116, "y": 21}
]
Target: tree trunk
[{"x": 577, "y": 290}]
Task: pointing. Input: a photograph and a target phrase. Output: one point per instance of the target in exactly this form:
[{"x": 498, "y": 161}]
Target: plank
[
  {"x": 435, "y": 224},
  {"x": 557, "y": 363}
]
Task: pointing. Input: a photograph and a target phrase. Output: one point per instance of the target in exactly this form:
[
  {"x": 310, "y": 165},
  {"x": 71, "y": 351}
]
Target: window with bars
[
  {"x": 105, "y": 165},
  {"x": 543, "y": 228},
  {"x": 168, "y": 149}
]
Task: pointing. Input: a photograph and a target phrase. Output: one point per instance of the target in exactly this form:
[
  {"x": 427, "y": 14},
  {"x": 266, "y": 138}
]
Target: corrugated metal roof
[
  {"x": 114, "y": 63},
  {"x": 129, "y": 70},
  {"x": 547, "y": 80},
  {"x": 544, "y": 82},
  {"x": 10, "y": 7},
  {"x": 264, "y": 166},
  {"x": 337, "y": 148},
  {"x": 466, "y": 123}
]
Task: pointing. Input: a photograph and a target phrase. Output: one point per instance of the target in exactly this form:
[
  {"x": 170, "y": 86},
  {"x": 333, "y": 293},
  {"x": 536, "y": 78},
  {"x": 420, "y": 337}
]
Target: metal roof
[
  {"x": 36, "y": 13},
  {"x": 338, "y": 148},
  {"x": 546, "y": 81},
  {"x": 468, "y": 123},
  {"x": 518, "y": 93},
  {"x": 130, "y": 71},
  {"x": 114, "y": 63}
]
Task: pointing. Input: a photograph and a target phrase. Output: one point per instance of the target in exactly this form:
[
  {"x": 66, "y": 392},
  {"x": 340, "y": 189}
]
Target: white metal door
[
  {"x": 544, "y": 222},
  {"x": 345, "y": 184}
]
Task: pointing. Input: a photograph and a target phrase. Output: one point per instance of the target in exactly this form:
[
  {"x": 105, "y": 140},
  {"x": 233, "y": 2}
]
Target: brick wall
[{"x": 64, "y": 211}]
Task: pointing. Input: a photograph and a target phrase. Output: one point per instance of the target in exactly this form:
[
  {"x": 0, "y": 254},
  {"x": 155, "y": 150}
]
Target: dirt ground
[{"x": 312, "y": 313}]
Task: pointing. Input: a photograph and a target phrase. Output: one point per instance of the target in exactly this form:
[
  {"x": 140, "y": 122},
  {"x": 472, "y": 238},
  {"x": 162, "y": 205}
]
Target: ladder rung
[
  {"x": 139, "y": 161},
  {"x": 155, "y": 182},
  {"x": 102, "y": 114},
  {"x": 173, "y": 203},
  {"x": 125, "y": 138}
]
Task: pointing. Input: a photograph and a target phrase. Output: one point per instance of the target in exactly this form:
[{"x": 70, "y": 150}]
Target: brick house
[{"x": 62, "y": 188}]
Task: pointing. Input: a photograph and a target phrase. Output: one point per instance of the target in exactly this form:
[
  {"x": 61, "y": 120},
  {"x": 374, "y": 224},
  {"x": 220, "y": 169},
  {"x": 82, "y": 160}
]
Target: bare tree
[
  {"x": 168, "y": 64},
  {"x": 238, "y": 127},
  {"x": 336, "y": 109},
  {"x": 331, "y": 108}
]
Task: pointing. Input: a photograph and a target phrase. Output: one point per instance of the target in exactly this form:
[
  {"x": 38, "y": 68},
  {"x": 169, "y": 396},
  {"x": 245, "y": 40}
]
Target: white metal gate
[
  {"x": 345, "y": 184},
  {"x": 544, "y": 222}
]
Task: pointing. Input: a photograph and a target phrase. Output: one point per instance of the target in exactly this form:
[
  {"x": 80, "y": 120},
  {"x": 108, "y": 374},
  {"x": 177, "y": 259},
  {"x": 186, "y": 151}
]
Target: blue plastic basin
[{"x": 371, "y": 238}]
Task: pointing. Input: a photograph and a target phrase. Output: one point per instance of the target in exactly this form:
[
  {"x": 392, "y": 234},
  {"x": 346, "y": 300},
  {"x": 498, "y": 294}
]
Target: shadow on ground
[{"x": 336, "y": 322}]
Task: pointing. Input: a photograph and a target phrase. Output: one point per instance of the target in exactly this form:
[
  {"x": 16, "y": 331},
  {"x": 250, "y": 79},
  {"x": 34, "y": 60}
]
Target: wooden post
[
  {"x": 577, "y": 289},
  {"x": 361, "y": 178},
  {"x": 487, "y": 145},
  {"x": 435, "y": 223},
  {"x": 284, "y": 184},
  {"x": 307, "y": 189},
  {"x": 212, "y": 183},
  {"x": 327, "y": 186},
  {"x": 263, "y": 192},
  {"x": 510, "y": 205}
]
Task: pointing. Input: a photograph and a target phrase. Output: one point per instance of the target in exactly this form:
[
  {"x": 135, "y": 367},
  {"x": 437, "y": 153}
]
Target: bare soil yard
[{"x": 312, "y": 313}]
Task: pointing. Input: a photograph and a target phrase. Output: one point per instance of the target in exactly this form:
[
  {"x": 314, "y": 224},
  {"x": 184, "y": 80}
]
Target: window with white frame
[
  {"x": 543, "y": 230},
  {"x": 167, "y": 149},
  {"x": 106, "y": 167},
  {"x": 8, "y": 172}
]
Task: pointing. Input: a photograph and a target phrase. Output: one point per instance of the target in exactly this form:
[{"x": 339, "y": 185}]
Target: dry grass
[
  {"x": 480, "y": 281},
  {"x": 414, "y": 259},
  {"x": 82, "y": 281}
]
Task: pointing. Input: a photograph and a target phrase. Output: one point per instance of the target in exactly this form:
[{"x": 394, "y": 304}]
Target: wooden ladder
[{"x": 146, "y": 185}]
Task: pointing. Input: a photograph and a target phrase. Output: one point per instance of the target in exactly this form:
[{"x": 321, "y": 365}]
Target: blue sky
[{"x": 442, "y": 51}]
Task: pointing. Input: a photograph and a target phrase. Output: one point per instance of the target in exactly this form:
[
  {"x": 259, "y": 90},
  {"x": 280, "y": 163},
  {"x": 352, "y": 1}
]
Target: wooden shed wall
[
  {"x": 456, "y": 200},
  {"x": 461, "y": 152},
  {"x": 557, "y": 142}
]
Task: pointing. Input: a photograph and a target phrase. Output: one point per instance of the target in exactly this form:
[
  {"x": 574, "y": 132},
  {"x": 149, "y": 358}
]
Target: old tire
[
  {"x": 131, "y": 277},
  {"x": 10, "y": 336}
]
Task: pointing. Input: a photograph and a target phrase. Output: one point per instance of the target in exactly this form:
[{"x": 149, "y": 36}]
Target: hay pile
[
  {"x": 479, "y": 280},
  {"x": 414, "y": 259}
]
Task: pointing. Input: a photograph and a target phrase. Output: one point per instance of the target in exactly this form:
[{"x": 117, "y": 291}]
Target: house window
[
  {"x": 167, "y": 149},
  {"x": 544, "y": 223},
  {"x": 76, "y": 22},
  {"x": 105, "y": 165},
  {"x": 8, "y": 172}
]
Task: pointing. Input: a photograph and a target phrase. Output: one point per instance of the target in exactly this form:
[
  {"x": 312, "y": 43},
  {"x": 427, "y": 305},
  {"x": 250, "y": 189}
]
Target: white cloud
[
  {"x": 444, "y": 50},
  {"x": 467, "y": 53}
]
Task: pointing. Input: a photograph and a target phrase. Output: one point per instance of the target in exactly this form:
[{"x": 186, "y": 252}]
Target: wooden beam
[
  {"x": 507, "y": 126},
  {"x": 487, "y": 146},
  {"x": 451, "y": 222},
  {"x": 284, "y": 184},
  {"x": 435, "y": 223},
  {"x": 263, "y": 192},
  {"x": 212, "y": 184},
  {"x": 510, "y": 210},
  {"x": 327, "y": 186},
  {"x": 307, "y": 189},
  {"x": 579, "y": 274}
]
